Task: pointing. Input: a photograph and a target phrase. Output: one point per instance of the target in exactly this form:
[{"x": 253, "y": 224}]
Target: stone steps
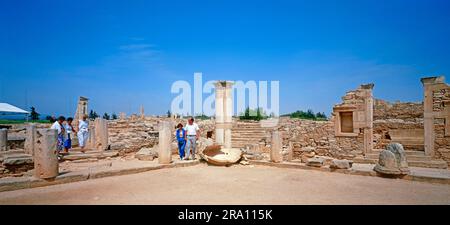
[
  {"x": 76, "y": 155},
  {"x": 15, "y": 157},
  {"x": 246, "y": 139},
  {"x": 248, "y": 133}
]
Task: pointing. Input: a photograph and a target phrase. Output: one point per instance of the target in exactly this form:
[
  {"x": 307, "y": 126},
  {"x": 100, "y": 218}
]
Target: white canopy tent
[{"x": 7, "y": 109}]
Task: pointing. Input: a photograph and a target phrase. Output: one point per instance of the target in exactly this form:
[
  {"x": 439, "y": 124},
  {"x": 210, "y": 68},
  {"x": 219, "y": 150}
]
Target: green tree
[
  {"x": 93, "y": 115},
  {"x": 33, "y": 114},
  {"x": 106, "y": 116},
  {"x": 51, "y": 119},
  {"x": 114, "y": 116},
  {"x": 251, "y": 114},
  {"x": 308, "y": 115},
  {"x": 169, "y": 114},
  {"x": 202, "y": 117}
]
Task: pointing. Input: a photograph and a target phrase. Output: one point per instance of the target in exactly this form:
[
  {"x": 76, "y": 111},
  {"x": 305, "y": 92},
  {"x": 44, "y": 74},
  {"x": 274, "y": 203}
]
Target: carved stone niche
[
  {"x": 345, "y": 121},
  {"x": 354, "y": 115}
]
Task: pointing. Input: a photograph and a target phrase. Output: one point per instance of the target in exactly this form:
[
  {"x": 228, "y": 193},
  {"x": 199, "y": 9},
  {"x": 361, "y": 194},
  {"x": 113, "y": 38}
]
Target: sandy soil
[{"x": 204, "y": 184}]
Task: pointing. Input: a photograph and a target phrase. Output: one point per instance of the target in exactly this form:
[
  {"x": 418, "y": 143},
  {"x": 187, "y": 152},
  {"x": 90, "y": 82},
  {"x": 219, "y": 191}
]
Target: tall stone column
[
  {"x": 276, "y": 147},
  {"x": 46, "y": 154},
  {"x": 228, "y": 113},
  {"x": 368, "y": 129},
  {"x": 224, "y": 112},
  {"x": 101, "y": 134},
  {"x": 164, "y": 146},
  {"x": 91, "y": 141},
  {"x": 220, "y": 117},
  {"x": 3, "y": 139},
  {"x": 82, "y": 109},
  {"x": 30, "y": 139}
]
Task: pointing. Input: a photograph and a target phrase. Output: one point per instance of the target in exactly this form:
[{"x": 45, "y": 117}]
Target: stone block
[
  {"x": 340, "y": 164},
  {"x": 315, "y": 162},
  {"x": 147, "y": 154}
]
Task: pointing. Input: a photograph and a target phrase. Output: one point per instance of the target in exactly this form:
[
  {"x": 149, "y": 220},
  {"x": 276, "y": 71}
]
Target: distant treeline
[
  {"x": 308, "y": 115},
  {"x": 252, "y": 114}
]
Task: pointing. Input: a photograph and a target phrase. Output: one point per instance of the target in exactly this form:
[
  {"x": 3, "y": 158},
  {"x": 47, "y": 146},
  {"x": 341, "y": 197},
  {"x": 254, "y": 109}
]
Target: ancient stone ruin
[
  {"x": 353, "y": 118},
  {"x": 165, "y": 140},
  {"x": 393, "y": 161},
  {"x": 82, "y": 109},
  {"x": 3, "y": 139},
  {"x": 100, "y": 132},
  {"x": 361, "y": 130},
  {"x": 46, "y": 154},
  {"x": 437, "y": 117}
]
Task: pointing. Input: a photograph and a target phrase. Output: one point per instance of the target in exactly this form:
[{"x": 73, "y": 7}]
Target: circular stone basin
[{"x": 221, "y": 156}]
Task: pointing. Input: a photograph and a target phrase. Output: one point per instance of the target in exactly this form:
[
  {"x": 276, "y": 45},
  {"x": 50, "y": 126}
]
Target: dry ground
[{"x": 204, "y": 184}]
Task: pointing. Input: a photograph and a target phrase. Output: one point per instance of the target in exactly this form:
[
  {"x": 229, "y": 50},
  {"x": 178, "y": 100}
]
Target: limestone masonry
[{"x": 358, "y": 130}]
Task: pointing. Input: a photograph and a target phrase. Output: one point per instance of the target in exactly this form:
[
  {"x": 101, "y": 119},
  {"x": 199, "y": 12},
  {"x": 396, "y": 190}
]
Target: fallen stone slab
[
  {"x": 147, "y": 154},
  {"x": 326, "y": 160},
  {"x": 341, "y": 164},
  {"x": 315, "y": 162}
]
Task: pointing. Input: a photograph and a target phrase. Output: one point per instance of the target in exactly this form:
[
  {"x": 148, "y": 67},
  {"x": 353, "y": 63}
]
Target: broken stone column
[
  {"x": 46, "y": 154},
  {"x": 276, "y": 148},
  {"x": 122, "y": 116},
  {"x": 392, "y": 161},
  {"x": 101, "y": 134},
  {"x": 30, "y": 139},
  {"x": 142, "y": 112},
  {"x": 91, "y": 142},
  {"x": 290, "y": 152},
  {"x": 164, "y": 146},
  {"x": 82, "y": 109},
  {"x": 3, "y": 139}
]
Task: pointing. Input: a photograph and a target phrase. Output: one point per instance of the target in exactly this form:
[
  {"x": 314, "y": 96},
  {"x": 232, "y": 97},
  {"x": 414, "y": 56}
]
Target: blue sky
[{"x": 123, "y": 54}]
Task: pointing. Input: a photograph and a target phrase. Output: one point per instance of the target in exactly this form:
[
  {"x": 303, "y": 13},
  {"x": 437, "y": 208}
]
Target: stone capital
[
  {"x": 433, "y": 80},
  {"x": 223, "y": 84}
]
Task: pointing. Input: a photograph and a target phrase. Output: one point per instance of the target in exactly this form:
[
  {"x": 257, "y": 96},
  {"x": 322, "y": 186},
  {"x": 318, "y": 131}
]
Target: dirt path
[{"x": 235, "y": 185}]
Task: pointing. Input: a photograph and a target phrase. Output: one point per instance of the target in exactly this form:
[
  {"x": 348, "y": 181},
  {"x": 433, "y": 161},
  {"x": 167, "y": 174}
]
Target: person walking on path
[
  {"x": 181, "y": 138},
  {"x": 83, "y": 132},
  {"x": 193, "y": 134},
  {"x": 58, "y": 125},
  {"x": 69, "y": 132}
]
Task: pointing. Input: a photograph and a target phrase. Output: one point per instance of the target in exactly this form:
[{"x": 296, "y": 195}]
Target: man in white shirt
[
  {"x": 58, "y": 125},
  {"x": 192, "y": 134}
]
